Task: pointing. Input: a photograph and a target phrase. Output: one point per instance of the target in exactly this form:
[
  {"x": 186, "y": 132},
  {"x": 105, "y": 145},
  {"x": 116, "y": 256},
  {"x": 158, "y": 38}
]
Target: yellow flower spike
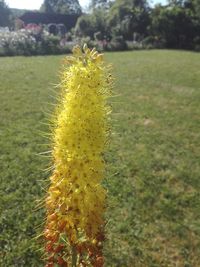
[
  {"x": 99, "y": 58},
  {"x": 77, "y": 51},
  {"x": 70, "y": 60},
  {"x": 85, "y": 47},
  {"x": 93, "y": 51},
  {"x": 75, "y": 203}
]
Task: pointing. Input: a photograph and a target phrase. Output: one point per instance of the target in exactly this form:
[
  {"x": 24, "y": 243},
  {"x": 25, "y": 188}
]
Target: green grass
[{"x": 153, "y": 163}]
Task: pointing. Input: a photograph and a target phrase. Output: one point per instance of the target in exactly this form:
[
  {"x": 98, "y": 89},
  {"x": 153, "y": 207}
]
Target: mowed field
[{"x": 153, "y": 163}]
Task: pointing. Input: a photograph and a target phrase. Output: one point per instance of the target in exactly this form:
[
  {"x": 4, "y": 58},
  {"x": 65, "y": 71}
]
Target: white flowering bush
[
  {"x": 30, "y": 42},
  {"x": 20, "y": 42},
  {"x": 36, "y": 40}
]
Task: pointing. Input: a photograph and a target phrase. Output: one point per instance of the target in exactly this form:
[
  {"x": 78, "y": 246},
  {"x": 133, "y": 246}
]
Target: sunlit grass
[{"x": 153, "y": 175}]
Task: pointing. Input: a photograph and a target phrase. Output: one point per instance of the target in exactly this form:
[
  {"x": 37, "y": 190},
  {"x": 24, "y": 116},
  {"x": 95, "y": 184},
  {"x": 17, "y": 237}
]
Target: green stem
[{"x": 74, "y": 257}]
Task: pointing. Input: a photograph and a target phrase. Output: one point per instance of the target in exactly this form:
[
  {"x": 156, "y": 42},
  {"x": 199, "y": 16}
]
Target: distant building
[{"x": 31, "y": 17}]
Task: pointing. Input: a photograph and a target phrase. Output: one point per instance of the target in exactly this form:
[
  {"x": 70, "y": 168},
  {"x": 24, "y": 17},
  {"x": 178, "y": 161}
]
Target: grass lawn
[{"x": 153, "y": 173}]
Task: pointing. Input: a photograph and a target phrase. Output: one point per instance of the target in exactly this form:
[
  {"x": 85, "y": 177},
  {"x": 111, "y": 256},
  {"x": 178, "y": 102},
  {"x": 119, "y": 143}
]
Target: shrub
[
  {"x": 153, "y": 42},
  {"x": 17, "y": 43},
  {"x": 116, "y": 44},
  {"x": 49, "y": 44},
  {"x": 31, "y": 42},
  {"x": 196, "y": 42},
  {"x": 134, "y": 45}
]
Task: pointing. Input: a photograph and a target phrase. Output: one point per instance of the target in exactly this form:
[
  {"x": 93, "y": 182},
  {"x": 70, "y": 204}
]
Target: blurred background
[
  {"x": 153, "y": 160},
  {"x": 53, "y": 27}
]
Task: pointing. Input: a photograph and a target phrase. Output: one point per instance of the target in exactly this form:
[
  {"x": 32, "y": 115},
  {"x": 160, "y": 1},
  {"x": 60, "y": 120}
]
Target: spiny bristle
[{"x": 75, "y": 202}]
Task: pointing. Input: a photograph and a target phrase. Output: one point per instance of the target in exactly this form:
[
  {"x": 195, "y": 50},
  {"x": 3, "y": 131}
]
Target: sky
[{"x": 27, "y": 4}]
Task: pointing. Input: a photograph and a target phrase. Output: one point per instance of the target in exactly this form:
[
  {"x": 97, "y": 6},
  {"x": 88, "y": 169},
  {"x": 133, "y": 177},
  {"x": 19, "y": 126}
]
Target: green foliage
[
  {"x": 17, "y": 12},
  {"x": 27, "y": 43},
  {"x": 153, "y": 163},
  {"x": 123, "y": 19},
  {"x": 196, "y": 5},
  {"x": 4, "y": 14},
  {"x": 85, "y": 26},
  {"x": 116, "y": 44},
  {"x": 88, "y": 25},
  {"x": 61, "y": 6},
  {"x": 129, "y": 16},
  {"x": 174, "y": 25},
  {"x": 99, "y": 4}
]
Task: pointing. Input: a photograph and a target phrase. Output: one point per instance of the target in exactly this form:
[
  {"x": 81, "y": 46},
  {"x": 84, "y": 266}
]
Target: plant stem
[{"x": 74, "y": 257}]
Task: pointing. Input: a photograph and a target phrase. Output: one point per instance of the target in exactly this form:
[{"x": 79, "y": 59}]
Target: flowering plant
[{"x": 75, "y": 203}]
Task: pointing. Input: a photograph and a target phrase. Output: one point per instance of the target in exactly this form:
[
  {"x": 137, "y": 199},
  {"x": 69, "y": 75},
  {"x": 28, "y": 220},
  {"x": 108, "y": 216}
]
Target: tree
[
  {"x": 95, "y": 23},
  {"x": 197, "y": 6},
  {"x": 176, "y": 2},
  {"x": 47, "y": 7},
  {"x": 99, "y": 4},
  {"x": 174, "y": 25},
  {"x": 194, "y": 5},
  {"x": 4, "y": 14},
  {"x": 85, "y": 26},
  {"x": 127, "y": 17},
  {"x": 89, "y": 25},
  {"x": 61, "y": 6}
]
